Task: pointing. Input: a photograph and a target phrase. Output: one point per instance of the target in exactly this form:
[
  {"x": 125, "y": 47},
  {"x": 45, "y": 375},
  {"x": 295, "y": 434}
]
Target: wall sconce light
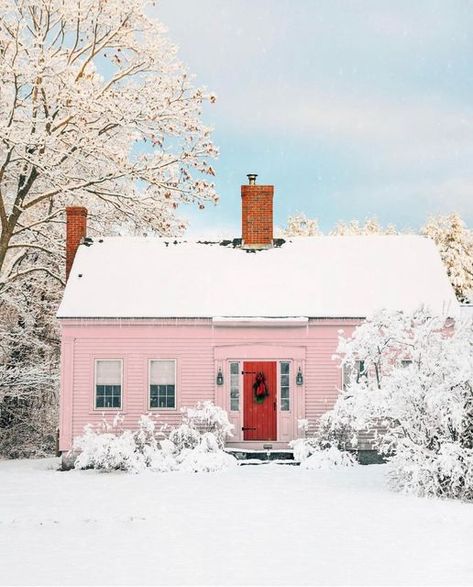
[
  {"x": 219, "y": 377},
  {"x": 299, "y": 377}
]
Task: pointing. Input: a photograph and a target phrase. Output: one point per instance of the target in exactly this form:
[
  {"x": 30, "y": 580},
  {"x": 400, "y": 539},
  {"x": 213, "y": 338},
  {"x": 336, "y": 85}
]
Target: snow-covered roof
[{"x": 129, "y": 277}]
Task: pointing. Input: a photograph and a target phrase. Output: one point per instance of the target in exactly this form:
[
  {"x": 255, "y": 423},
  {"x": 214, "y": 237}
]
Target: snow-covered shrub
[
  {"x": 418, "y": 388},
  {"x": 184, "y": 437},
  {"x": 328, "y": 458},
  {"x": 108, "y": 451},
  {"x": 206, "y": 456},
  {"x": 300, "y": 448},
  {"x": 109, "y": 447},
  {"x": 207, "y": 417},
  {"x": 316, "y": 443},
  {"x": 198, "y": 452}
]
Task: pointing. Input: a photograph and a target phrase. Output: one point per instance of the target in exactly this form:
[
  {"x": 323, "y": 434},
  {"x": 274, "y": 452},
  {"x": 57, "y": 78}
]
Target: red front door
[{"x": 259, "y": 415}]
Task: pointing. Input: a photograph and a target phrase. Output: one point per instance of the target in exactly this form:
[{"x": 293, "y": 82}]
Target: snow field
[{"x": 275, "y": 524}]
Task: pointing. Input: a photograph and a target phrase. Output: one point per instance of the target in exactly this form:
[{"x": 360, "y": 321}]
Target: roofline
[{"x": 203, "y": 318}]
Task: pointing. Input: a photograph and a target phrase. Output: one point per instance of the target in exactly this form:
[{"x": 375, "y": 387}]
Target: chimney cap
[
  {"x": 76, "y": 211},
  {"x": 252, "y": 178}
]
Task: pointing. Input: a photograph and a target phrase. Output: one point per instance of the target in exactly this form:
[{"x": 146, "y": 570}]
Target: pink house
[{"x": 156, "y": 324}]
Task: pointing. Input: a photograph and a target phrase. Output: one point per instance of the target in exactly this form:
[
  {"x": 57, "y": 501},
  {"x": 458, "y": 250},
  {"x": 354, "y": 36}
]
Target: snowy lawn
[{"x": 260, "y": 525}]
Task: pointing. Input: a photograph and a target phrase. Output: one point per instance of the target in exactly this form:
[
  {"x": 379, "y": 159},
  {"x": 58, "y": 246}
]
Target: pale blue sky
[{"x": 350, "y": 108}]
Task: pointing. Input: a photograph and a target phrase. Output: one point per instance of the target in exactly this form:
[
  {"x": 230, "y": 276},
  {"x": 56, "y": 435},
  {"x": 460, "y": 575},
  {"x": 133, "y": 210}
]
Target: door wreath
[{"x": 260, "y": 389}]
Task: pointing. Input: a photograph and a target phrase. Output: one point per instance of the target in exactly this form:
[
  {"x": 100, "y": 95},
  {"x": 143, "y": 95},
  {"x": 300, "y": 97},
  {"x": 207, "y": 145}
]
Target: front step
[{"x": 262, "y": 457}]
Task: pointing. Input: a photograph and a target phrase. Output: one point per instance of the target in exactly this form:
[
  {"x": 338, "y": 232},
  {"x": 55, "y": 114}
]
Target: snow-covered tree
[
  {"x": 300, "y": 225},
  {"x": 95, "y": 108},
  {"x": 455, "y": 243},
  {"x": 354, "y": 228},
  {"x": 417, "y": 387},
  {"x": 29, "y": 366}
]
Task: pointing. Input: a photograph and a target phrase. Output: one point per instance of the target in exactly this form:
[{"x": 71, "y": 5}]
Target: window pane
[
  {"x": 108, "y": 396},
  {"x": 284, "y": 386},
  {"x": 234, "y": 368},
  {"x": 361, "y": 370},
  {"x": 346, "y": 375},
  {"x": 162, "y": 396},
  {"x": 162, "y": 372},
  {"x": 234, "y": 387}
]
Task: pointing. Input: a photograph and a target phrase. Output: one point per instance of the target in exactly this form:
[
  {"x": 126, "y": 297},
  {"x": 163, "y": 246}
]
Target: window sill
[
  {"x": 163, "y": 410},
  {"x": 96, "y": 411}
]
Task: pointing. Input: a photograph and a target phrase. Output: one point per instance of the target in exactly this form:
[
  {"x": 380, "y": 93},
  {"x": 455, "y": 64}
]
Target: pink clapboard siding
[{"x": 200, "y": 349}]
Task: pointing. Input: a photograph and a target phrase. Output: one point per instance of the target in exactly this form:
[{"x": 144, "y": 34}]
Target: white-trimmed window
[
  {"x": 234, "y": 387},
  {"x": 162, "y": 383},
  {"x": 108, "y": 383},
  {"x": 284, "y": 385}
]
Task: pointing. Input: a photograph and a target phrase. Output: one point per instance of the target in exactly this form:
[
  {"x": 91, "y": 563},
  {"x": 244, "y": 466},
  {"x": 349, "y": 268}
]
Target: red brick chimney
[
  {"x": 256, "y": 214},
  {"x": 76, "y": 230}
]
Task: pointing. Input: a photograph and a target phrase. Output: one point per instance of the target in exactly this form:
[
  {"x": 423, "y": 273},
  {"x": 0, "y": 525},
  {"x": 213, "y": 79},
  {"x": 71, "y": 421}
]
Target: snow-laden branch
[{"x": 95, "y": 108}]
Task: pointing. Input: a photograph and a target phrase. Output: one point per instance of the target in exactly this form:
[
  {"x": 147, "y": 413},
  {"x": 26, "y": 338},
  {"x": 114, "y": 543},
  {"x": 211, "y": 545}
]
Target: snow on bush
[
  {"x": 110, "y": 448},
  {"x": 301, "y": 449},
  {"x": 328, "y": 458},
  {"x": 207, "y": 417},
  {"x": 315, "y": 452},
  {"x": 206, "y": 457},
  {"x": 184, "y": 437},
  {"x": 417, "y": 390}
]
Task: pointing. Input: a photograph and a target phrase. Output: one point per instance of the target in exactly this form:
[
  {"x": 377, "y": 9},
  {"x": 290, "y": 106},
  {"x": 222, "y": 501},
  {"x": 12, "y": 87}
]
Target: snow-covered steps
[
  {"x": 262, "y": 457},
  {"x": 258, "y": 462}
]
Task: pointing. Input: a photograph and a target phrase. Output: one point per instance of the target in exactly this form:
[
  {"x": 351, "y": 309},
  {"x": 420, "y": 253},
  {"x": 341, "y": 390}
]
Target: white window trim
[
  {"x": 121, "y": 408},
  {"x": 160, "y": 360}
]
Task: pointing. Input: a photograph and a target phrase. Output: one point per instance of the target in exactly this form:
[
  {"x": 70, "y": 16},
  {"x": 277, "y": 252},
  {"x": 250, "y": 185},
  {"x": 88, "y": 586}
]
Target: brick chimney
[
  {"x": 76, "y": 230},
  {"x": 256, "y": 214}
]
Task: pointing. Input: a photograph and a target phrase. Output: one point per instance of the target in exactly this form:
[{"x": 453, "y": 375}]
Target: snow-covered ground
[{"x": 253, "y": 525}]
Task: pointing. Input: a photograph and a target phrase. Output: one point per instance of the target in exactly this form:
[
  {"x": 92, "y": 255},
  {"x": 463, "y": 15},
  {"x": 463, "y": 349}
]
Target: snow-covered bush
[
  {"x": 301, "y": 448},
  {"x": 110, "y": 448},
  {"x": 328, "y": 458},
  {"x": 207, "y": 417},
  {"x": 206, "y": 456},
  {"x": 319, "y": 445},
  {"x": 417, "y": 388},
  {"x": 184, "y": 437},
  {"x": 108, "y": 451}
]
